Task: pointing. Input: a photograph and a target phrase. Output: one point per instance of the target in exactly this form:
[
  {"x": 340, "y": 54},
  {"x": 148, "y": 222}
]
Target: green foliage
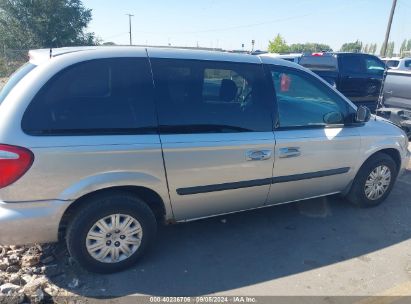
[
  {"x": 278, "y": 45},
  {"x": 26, "y": 24},
  {"x": 309, "y": 47},
  {"x": 373, "y": 48},
  {"x": 405, "y": 47},
  {"x": 352, "y": 47},
  {"x": 390, "y": 49}
]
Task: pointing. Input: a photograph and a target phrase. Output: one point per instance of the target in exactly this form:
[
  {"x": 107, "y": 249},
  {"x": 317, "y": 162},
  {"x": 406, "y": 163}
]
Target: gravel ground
[
  {"x": 25, "y": 273},
  {"x": 2, "y": 82}
]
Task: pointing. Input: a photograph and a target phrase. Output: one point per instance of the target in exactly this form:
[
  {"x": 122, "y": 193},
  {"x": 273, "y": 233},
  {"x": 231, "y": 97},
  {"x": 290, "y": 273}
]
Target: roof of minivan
[{"x": 39, "y": 56}]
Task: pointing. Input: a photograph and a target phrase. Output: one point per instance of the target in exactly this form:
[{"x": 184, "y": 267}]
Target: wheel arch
[
  {"x": 149, "y": 196},
  {"x": 392, "y": 152}
]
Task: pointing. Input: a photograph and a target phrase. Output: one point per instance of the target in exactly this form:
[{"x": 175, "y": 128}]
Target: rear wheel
[
  {"x": 374, "y": 181},
  {"x": 111, "y": 232}
]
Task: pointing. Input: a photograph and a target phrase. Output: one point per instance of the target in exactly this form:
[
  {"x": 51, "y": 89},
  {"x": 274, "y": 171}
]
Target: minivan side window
[
  {"x": 211, "y": 97},
  {"x": 102, "y": 96},
  {"x": 304, "y": 101}
]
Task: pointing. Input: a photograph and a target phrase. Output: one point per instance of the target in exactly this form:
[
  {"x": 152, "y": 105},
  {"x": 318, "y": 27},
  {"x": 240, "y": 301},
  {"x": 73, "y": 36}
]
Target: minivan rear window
[
  {"x": 14, "y": 79},
  {"x": 96, "y": 97},
  {"x": 320, "y": 63}
]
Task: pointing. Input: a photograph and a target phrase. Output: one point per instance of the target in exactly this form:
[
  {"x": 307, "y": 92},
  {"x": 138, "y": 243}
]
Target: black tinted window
[
  {"x": 392, "y": 63},
  {"x": 304, "y": 101},
  {"x": 353, "y": 64},
  {"x": 95, "y": 97},
  {"x": 208, "y": 97}
]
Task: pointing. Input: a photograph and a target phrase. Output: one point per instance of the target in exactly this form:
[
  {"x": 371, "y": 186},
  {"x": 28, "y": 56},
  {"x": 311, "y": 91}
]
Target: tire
[
  {"x": 358, "y": 195},
  {"x": 131, "y": 212}
]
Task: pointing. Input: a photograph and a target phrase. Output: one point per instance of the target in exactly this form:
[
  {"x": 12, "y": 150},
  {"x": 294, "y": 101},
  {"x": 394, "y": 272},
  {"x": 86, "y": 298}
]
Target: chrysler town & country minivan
[{"x": 100, "y": 144}]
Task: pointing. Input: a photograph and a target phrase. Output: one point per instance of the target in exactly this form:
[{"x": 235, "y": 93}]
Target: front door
[
  {"x": 316, "y": 151},
  {"x": 216, "y": 132}
]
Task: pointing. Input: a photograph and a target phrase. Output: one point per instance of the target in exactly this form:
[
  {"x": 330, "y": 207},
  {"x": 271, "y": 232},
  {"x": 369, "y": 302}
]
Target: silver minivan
[{"x": 98, "y": 145}]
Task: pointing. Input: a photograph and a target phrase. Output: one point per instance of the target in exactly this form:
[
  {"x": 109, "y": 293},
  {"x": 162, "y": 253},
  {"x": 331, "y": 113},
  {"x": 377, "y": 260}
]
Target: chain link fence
[{"x": 11, "y": 60}]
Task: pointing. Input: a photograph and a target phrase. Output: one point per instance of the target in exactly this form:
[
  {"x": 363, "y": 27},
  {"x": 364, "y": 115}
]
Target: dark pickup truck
[
  {"x": 396, "y": 99},
  {"x": 358, "y": 76}
]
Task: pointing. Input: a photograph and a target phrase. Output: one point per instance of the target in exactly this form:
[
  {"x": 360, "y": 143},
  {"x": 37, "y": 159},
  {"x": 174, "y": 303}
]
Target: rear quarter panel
[{"x": 67, "y": 167}]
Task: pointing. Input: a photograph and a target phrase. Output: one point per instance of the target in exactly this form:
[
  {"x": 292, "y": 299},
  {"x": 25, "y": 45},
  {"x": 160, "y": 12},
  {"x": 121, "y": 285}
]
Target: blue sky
[{"x": 229, "y": 23}]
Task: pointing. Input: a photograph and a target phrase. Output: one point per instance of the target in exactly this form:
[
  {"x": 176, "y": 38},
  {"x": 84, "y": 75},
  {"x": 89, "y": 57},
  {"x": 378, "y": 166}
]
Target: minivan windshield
[{"x": 15, "y": 78}]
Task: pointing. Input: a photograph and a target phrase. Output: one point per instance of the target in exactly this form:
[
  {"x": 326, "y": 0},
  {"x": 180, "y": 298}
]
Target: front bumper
[{"x": 30, "y": 222}]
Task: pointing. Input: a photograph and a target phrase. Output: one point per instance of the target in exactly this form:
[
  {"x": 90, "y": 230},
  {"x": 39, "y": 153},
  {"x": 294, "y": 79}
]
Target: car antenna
[
  {"x": 381, "y": 95},
  {"x": 51, "y": 53}
]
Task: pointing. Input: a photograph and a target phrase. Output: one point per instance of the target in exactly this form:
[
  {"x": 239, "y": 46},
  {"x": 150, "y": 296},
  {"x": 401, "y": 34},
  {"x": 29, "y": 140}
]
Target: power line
[{"x": 235, "y": 27}]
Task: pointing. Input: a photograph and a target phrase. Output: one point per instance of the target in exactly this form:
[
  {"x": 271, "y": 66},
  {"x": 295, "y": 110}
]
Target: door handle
[
  {"x": 258, "y": 154},
  {"x": 289, "y": 152}
]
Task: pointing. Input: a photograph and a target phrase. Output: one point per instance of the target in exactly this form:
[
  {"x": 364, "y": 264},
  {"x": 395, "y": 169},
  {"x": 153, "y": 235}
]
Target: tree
[
  {"x": 390, "y": 49},
  {"x": 373, "y": 48},
  {"x": 352, "y": 47},
  {"x": 403, "y": 47},
  {"x": 409, "y": 45},
  {"x": 278, "y": 45},
  {"x": 44, "y": 23},
  {"x": 308, "y": 47},
  {"x": 366, "y": 49}
]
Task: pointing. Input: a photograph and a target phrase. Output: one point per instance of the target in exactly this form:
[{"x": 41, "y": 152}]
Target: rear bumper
[{"x": 30, "y": 222}]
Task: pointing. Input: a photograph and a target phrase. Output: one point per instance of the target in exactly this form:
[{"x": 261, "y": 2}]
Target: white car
[
  {"x": 294, "y": 57},
  {"x": 396, "y": 63}
]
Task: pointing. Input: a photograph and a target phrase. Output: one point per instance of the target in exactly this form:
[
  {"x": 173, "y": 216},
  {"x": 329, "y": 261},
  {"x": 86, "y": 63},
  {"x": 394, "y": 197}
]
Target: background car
[
  {"x": 293, "y": 57},
  {"x": 396, "y": 99},
  {"x": 397, "y": 63},
  {"x": 358, "y": 76}
]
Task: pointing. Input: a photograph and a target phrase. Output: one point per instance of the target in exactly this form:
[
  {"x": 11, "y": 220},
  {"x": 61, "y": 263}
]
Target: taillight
[{"x": 14, "y": 162}]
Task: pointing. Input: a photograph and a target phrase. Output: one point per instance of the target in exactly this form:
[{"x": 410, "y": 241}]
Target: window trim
[
  {"x": 147, "y": 130},
  {"x": 349, "y": 115}
]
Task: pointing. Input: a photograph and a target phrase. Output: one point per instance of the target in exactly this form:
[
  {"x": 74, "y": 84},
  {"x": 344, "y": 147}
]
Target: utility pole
[
  {"x": 387, "y": 34},
  {"x": 129, "y": 23}
]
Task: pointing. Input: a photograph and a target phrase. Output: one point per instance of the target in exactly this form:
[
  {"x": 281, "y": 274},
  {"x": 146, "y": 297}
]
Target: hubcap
[
  {"x": 114, "y": 238},
  {"x": 377, "y": 182}
]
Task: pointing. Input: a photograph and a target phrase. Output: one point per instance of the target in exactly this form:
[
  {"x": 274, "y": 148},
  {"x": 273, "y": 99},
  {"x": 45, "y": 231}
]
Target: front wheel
[
  {"x": 111, "y": 232},
  {"x": 374, "y": 181}
]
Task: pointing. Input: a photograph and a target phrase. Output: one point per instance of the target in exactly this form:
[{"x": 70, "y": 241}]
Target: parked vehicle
[
  {"x": 398, "y": 63},
  {"x": 397, "y": 99},
  {"x": 358, "y": 76},
  {"x": 99, "y": 145},
  {"x": 293, "y": 57}
]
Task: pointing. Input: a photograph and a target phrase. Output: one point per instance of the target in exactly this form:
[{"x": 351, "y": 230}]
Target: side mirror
[
  {"x": 363, "y": 114},
  {"x": 333, "y": 118}
]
